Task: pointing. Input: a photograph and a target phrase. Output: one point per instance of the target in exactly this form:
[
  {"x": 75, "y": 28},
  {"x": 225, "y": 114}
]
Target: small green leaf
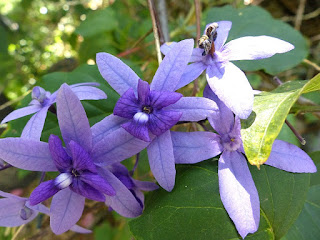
[
  {"x": 270, "y": 110},
  {"x": 255, "y": 21}
]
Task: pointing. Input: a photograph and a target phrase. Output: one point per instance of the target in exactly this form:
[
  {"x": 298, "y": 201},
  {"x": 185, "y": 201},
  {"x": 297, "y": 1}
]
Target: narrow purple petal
[
  {"x": 172, "y": 67},
  {"x": 143, "y": 91},
  {"x": 73, "y": 121},
  {"x": 115, "y": 147},
  {"x": 222, "y": 33},
  {"x": 99, "y": 183},
  {"x": 161, "y": 160},
  {"x": 66, "y": 209},
  {"x": 11, "y": 212},
  {"x": 161, "y": 99},
  {"x": 39, "y": 208},
  {"x": 116, "y": 73},
  {"x": 291, "y": 158},
  {"x": 192, "y": 72},
  {"x": 223, "y": 120},
  {"x": 116, "y": 168},
  {"x": 106, "y": 126},
  {"x": 138, "y": 130},
  {"x": 89, "y": 93},
  {"x": 81, "y": 159},
  {"x": 27, "y": 154},
  {"x": 193, "y": 147},
  {"x": 166, "y": 47},
  {"x": 163, "y": 120},
  {"x": 124, "y": 201},
  {"x": 238, "y": 192},
  {"x": 78, "y": 229},
  {"x": 197, "y": 55},
  {"x": 232, "y": 87},
  {"x": 34, "y": 126},
  {"x": 86, "y": 190},
  {"x": 194, "y": 108},
  {"x": 21, "y": 113},
  {"x": 59, "y": 155},
  {"x": 145, "y": 186},
  {"x": 44, "y": 191},
  {"x": 252, "y": 48},
  {"x": 127, "y": 105}
]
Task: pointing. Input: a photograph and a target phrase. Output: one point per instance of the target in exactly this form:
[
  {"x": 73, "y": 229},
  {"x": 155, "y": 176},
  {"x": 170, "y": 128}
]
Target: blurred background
[{"x": 38, "y": 37}]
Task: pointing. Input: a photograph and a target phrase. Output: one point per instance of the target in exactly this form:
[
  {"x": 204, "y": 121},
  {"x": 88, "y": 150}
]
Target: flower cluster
[{"x": 88, "y": 163}]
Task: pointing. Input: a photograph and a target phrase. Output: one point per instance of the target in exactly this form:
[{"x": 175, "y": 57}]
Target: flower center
[
  {"x": 231, "y": 143},
  {"x": 75, "y": 173},
  {"x": 147, "y": 109},
  {"x": 63, "y": 180},
  {"x": 25, "y": 213}
]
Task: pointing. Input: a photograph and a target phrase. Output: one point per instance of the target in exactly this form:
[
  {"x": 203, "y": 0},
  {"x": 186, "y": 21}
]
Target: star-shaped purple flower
[
  {"x": 79, "y": 177},
  {"x": 226, "y": 80},
  {"x": 148, "y": 113},
  {"x": 237, "y": 189},
  {"x": 42, "y": 100}
]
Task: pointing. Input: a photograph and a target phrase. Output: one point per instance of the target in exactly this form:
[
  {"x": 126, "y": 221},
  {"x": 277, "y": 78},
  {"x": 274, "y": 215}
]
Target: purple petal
[
  {"x": 163, "y": 120},
  {"x": 81, "y": 159},
  {"x": 78, "y": 229},
  {"x": 115, "y": 147},
  {"x": 39, "y": 208},
  {"x": 123, "y": 202},
  {"x": 138, "y": 130},
  {"x": 232, "y": 87},
  {"x": 222, "y": 34},
  {"x": 116, "y": 73},
  {"x": 252, "y": 48},
  {"x": 166, "y": 47},
  {"x": 11, "y": 215},
  {"x": 34, "y": 126},
  {"x": 89, "y": 93},
  {"x": 238, "y": 192},
  {"x": 192, "y": 72},
  {"x": 143, "y": 91},
  {"x": 197, "y": 56},
  {"x": 194, "y": 108},
  {"x": 9, "y": 195},
  {"x": 106, "y": 126},
  {"x": 58, "y": 153},
  {"x": 86, "y": 190},
  {"x": 145, "y": 186},
  {"x": 193, "y": 147},
  {"x": 223, "y": 120},
  {"x": 291, "y": 158},
  {"x": 21, "y": 113},
  {"x": 73, "y": 121},
  {"x": 127, "y": 105},
  {"x": 172, "y": 67},
  {"x": 27, "y": 154},
  {"x": 44, "y": 191},
  {"x": 99, "y": 183},
  {"x": 66, "y": 209},
  {"x": 163, "y": 99},
  {"x": 116, "y": 168},
  {"x": 161, "y": 160}
]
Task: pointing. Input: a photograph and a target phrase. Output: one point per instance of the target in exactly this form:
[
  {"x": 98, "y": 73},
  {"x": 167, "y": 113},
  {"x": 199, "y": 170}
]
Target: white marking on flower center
[
  {"x": 63, "y": 180},
  {"x": 141, "y": 117}
]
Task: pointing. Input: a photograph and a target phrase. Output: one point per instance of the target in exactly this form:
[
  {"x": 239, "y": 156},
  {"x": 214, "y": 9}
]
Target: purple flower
[
  {"x": 225, "y": 79},
  {"x": 79, "y": 177},
  {"x": 42, "y": 100},
  {"x": 237, "y": 189},
  {"x": 148, "y": 113}
]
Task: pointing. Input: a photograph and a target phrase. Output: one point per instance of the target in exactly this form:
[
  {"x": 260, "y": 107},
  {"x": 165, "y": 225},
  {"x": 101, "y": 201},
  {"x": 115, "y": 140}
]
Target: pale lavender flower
[
  {"x": 226, "y": 80},
  {"x": 148, "y": 112},
  {"x": 237, "y": 189},
  {"x": 42, "y": 100},
  {"x": 80, "y": 178}
]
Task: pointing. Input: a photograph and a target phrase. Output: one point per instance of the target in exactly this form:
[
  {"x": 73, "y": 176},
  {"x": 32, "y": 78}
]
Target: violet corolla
[
  {"x": 41, "y": 102},
  {"x": 225, "y": 79},
  {"x": 79, "y": 177},
  {"x": 237, "y": 189},
  {"x": 148, "y": 112}
]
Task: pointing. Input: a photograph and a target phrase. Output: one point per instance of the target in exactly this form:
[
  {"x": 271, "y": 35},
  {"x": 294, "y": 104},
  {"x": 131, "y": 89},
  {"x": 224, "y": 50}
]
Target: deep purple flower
[
  {"x": 237, "y": 189},
  {"x": 225, "y": 79},
  {"x": 79, "y": 177},
  {"x": 147, "y": 113},
  {"x": 41, "y": 102}
]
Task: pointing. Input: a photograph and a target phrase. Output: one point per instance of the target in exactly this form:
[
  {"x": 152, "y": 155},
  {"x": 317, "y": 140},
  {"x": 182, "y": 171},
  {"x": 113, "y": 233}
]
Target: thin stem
[
  {"x": 300, "y": 138},
  {"x": 135, "y": 164},
  {"x": 7, "y": 104},
  {"x": 43, "y": 174},
  {"x": 155, "y": 31},
  {"x": 17, "y": 232},
  {"x": 309, "y": 63},
  {"x": 299, "y": 15},
  {"x": 198, "y": 20},
  {"x": 162, "y": 13}
]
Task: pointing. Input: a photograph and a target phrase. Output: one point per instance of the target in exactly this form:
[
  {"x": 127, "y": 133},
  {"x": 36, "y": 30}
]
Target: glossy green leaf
[
  {"x": 255, "y": 21},
  {"x": 270, "y": 110},
  {"x": 193, "y": 210}
]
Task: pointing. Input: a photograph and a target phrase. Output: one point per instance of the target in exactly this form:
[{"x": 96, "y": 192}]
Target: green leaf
[
  {"x": 255, "y": 21},
  {"x": 193, "y": 210},
  {"x": 98, "y": 21},
  {"x": 270, "y": 110}
]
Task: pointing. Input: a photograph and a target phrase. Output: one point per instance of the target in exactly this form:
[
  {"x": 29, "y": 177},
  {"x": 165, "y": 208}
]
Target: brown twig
[
  {"x": 299, "y": 15},
  {"x": 311, "y": 64},
  {"x": 198, "y": 20},
  {"x": 7, "y": 104}
]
